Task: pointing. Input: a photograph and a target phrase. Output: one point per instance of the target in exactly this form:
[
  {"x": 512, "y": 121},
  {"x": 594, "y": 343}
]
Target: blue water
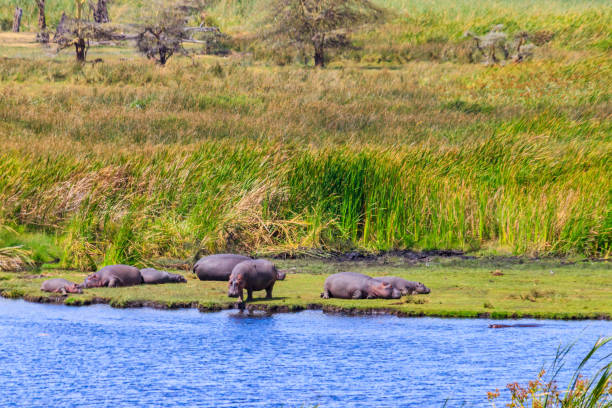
[{"x": 96, "y": 356}]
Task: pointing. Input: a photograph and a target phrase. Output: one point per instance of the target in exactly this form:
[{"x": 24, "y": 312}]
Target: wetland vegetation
[{"x": 402, "y": 142}]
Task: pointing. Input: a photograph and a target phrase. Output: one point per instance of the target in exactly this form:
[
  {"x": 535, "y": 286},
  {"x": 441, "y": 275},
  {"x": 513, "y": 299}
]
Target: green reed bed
[{"x": 133, "y": 205}]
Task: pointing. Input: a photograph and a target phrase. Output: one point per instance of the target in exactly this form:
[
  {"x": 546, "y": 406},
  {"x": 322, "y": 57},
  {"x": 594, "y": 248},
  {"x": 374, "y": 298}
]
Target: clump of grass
[
  {"x": 581, "y": 392},
  {"x": 534, "y": 294}
]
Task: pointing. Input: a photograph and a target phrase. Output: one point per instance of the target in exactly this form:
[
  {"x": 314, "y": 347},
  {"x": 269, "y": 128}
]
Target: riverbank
[{"x": 460, "y": 288}]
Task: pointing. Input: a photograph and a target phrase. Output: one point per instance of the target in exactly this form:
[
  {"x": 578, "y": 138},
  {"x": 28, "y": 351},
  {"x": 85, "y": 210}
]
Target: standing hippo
[
  {"x": 405, "y": 286},
  {"x": 217, "y": 267},
  {"x": 62, "y": 286},
  {"x": 153, "y": 276},
  {"x": 114, "y": 275},
  {"x": 351, "y": 285},
  {"x": 257, "y": 274}
]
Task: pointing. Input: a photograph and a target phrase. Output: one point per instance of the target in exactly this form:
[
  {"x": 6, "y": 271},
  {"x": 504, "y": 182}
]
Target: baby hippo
[
  {"x": 351, "y": 285},
  {"x": 405, "y": 286},
  {"x": 257, "y": 274},
  {"x": 153, "y": 276},
  {"x": 62, "y": 286}
]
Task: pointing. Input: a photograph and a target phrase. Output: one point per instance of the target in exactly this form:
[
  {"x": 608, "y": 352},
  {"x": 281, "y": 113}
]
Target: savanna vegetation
[{"x": 405, "y": 140}]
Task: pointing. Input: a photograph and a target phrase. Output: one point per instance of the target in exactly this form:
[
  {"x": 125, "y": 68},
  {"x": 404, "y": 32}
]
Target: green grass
[{"x": 458, "y": 290}]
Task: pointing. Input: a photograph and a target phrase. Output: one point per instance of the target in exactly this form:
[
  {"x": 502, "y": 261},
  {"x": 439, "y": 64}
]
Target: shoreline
[{"x": 274, "y": 309}]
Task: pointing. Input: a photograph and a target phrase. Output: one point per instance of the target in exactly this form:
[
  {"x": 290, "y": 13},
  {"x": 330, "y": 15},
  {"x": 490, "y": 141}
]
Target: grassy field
[
  {"x": 400, "y": 143},
  {"x": 459, "y": 289}
]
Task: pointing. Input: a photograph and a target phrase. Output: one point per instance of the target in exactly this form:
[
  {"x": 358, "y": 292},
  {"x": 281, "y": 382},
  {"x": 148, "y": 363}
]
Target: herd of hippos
[{"x": 242, "y": 273}]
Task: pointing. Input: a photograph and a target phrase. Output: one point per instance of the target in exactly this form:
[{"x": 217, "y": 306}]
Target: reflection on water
[{"x": 97, "y": 356}]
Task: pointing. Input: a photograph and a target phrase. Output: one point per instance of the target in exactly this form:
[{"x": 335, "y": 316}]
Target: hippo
[
  {"x": 217, "y": 267},
  {"x": 255, "y": 274},
  {"x": 504, "y": 326},
  {"x": 114, "y": 275},
  {"x": 153, "y": 276},
  {"x": 404, "y": 286},
  {"x": 62, "y": 286},
  {"x": 351, "y": 285}
]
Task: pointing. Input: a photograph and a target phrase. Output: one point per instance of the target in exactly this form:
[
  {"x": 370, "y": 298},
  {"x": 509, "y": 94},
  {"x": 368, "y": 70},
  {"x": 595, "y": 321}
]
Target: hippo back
[
  {"x": 344, "y": 284},
  {"x": 259, "y": 273},
  {"x": 217, "y": 267},
  {"x": 154, "y": 276},
  {"x": 114, "y": 275}
]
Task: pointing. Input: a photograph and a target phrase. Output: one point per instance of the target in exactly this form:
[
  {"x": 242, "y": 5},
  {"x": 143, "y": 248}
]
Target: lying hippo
[
  {"x": 217, "y": 267},
  {"x": 114, "y": 275},
  {"x": 404, "y": 286},
  {"x": 62, "y": 286},
  {"x": 153, "y": 276},
  {"x": 351, "y": 285},
  {"x": 257, "y": 274}
]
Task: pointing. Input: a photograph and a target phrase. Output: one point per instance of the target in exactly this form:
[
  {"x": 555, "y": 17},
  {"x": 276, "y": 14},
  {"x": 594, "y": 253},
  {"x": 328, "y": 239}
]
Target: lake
[{"x": 97, "y": 356}]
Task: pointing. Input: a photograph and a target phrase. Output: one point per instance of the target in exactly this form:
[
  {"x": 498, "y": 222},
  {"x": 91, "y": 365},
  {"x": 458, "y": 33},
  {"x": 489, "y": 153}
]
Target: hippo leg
[
  {"x": 357, "y": 294},
  {"x": 63, "y": 291},
  {"x": 249, "y": 294},
  {"x": 269, "y": 291},
  {"x": 325, "y": 294},
  {"x": 112, "y": 282}
]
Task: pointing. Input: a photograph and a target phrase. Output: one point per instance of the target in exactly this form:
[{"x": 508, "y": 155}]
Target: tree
[
  {"x": 319, "y": 25},
  {"x": 165, "y": 31},
  {"x": 17, "y": 19},
  {"x": 42, "y": 36},
  {"x": 495, "y": 47},
  {"x": 79, "y": 32}
]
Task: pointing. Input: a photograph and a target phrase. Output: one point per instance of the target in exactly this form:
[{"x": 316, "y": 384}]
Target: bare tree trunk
[
  {"x": 319, "y": 56},
  {"x": 81, "y": 47},
  {"x": 17, "y": 19},
  {"x": 101, "y": 12},
  {"x": 43, "y": 35}
]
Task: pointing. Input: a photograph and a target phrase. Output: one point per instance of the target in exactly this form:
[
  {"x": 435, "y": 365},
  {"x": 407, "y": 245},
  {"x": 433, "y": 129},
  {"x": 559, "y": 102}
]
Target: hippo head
[
  {"x": 280, "y": 275},
  {"x": 180, "y": 278},
  {"x": 74, "y": 288},
  {"x": 92, "y": 281},
  {"x": 420, "y": 289},
  {"x": 382, "y": 290},
  {"x": 237, "y": 283}
]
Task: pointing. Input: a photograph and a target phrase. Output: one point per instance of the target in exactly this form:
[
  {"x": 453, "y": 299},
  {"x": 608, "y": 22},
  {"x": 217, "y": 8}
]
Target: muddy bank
[{"x": 272, "y": 309}]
